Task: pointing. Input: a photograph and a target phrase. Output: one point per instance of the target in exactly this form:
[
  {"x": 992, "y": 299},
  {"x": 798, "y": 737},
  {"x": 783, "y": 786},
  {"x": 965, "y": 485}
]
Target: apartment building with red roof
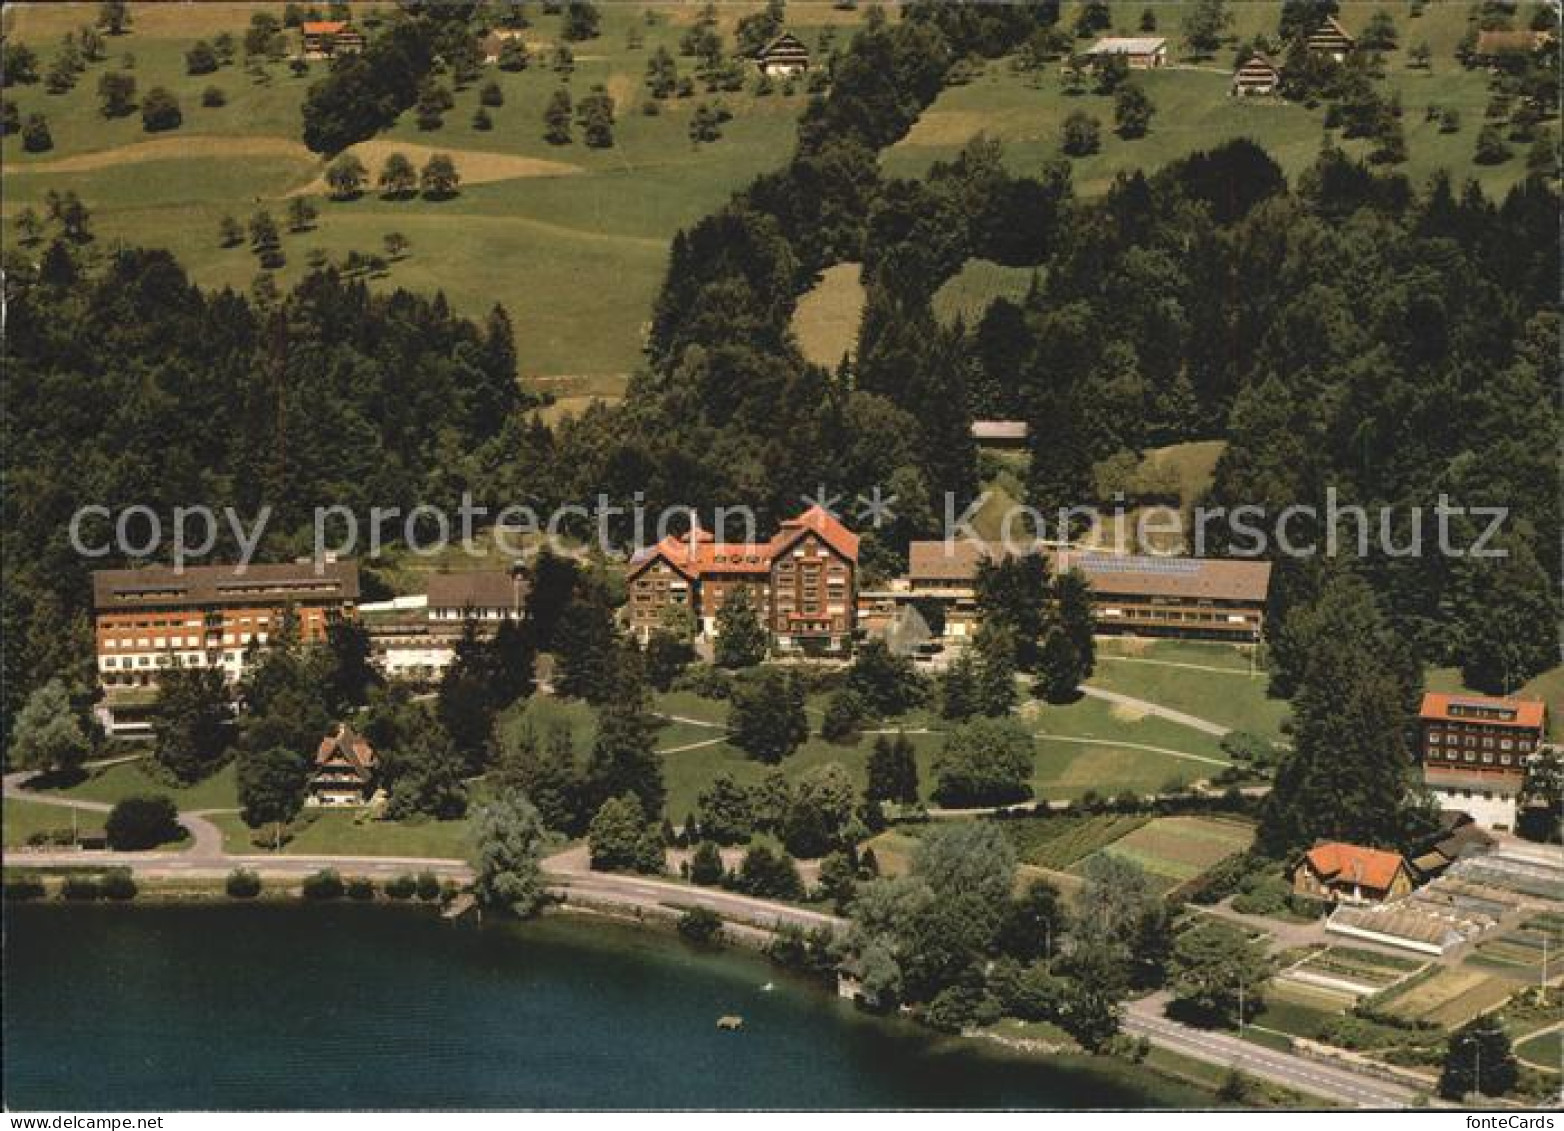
[
  {"x": 802, "y": 582},
  {"x": 1474, "y": 751}
]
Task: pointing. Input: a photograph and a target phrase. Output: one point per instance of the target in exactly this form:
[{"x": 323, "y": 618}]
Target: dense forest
[
  {"x": 1351, "y": 331},
  {"x": 125, "y": 385}
]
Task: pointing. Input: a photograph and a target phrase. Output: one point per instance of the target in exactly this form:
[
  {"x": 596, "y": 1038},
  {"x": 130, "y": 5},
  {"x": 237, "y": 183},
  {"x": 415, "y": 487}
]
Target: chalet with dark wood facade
[
  {"x": 1260, "y": 75},
  {"x": 784, "y": 55},
  {"x": 344, "y": 769},
  {"x": 802, "y": 583},
  {"x": 1330, "y": 38}
]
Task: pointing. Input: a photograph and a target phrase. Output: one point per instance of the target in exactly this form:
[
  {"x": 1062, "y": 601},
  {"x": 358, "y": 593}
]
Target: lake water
[{"x": 287, "y": 1006}]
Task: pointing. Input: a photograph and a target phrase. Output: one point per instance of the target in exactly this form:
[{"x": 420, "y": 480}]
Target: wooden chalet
[
  {"x": 325, "y": 38},
  {"x": 1260, "y": 75},
  {"x": 344, "y": 769},
  {"x": 784, "y": 55},
  {"x": 1330, "y": 38},
  {"x": 1349, "y": 873}
]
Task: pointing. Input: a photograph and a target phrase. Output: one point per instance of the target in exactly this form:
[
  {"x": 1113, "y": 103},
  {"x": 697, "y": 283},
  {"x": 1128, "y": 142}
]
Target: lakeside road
[{"x": 1341, "y": 1085}]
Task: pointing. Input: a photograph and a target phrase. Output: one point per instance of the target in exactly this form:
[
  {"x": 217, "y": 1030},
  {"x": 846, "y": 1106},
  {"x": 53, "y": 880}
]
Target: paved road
[
  {"x": 1144, "y": 1018},
  {"x": 570, "y": 873},
  {"x": 1192, "y": 721}
]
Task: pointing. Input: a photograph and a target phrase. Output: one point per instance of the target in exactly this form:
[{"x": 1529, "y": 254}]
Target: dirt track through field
[{"x": 184, "y": 146}]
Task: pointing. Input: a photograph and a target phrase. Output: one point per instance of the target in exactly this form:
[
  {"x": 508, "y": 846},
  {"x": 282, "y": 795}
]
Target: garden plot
[
  {"x": 1352, "y": 971},
  {"x": 1521, "y": 951},
  {"x": 1450, "y": 998},
  {"x": 1174, "y": 850}
]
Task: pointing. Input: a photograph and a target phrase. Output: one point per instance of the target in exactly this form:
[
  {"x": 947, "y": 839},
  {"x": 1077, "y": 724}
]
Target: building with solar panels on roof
[
  {"x": 1196, "y": 598},
  {"x": 1132, "y": 594}
]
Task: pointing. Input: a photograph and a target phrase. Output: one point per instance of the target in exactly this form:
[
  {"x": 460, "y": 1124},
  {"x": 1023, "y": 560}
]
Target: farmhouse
[
  {"x": 784, "y": 55},
  {"x": 1330, "y": 38},
  {"x": 802, "y": 582},
  {"x": 1474, "y": 751},
  {"x": 344, "y": 769},
  {"x": 1210, "y": 598},
  {"x": 415, "y": 637},
  {"x": 324, "y": 38},
  {"x": 1494, "y": 48},
  {"x": 1259, "y": 75},
  {"x": 1142, "y": 54},
  {"x": 151, "y": 619},
  {"x": 1348, "y": 873}
]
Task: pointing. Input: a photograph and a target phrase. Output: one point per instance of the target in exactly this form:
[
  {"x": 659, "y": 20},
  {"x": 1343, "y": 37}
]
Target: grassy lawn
[
  {"x": 967, "y": 293},
  {"x": 575, "y": 254},
  {"x": 1096, "y": 719},
  {"x": 826, "y": 319},
  {"x": 24, "y": 818},
  {"x": 130, "y": 779},
  {"x": 1232, "y": 696},
  {"x": 1545, "y": 1049},
  {"x": 340, "y": 832}
]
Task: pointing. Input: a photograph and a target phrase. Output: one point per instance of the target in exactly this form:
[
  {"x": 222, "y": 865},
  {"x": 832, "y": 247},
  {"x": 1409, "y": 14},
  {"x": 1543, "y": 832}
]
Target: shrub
[
  {"x": 80, "y": 888},
  {"x": 769, "y": 875},
  {"x": 427, "y": 886},
  {"x": 117, "y": 884},
  {"x": 360, "y": 888},
  {"x": 242, "y": 884},
  {"x": 402, "y": 887},
  {"x": 700, "y": 925},
  {"x": 138, "y": 823},
  {"x": 160, "y": 111},
  {"x": 23, "y": 888},
  {"x": 325, "y": 884},
  {"x": 706, "y": 864},
  {"x": 213, "y": 97},
  {"x": 706, "y": 681}
]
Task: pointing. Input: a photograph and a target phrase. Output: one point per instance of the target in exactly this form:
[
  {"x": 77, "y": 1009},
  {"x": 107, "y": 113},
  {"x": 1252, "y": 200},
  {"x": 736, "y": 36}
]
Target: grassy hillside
[
  {"x": 572, "y": 240},
  {"x": 1026, "y": 111}
]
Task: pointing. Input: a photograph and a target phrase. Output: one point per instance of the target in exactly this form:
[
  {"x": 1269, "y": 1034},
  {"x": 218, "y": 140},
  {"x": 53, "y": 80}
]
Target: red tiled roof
[
  {"x": 1351, "y": 863},
  {"x": 323, "y": 27},
  {"x": 818, "y": 519},
  {"x": 698, "y": 552},
  {"x": 1528, "y": 713}
]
